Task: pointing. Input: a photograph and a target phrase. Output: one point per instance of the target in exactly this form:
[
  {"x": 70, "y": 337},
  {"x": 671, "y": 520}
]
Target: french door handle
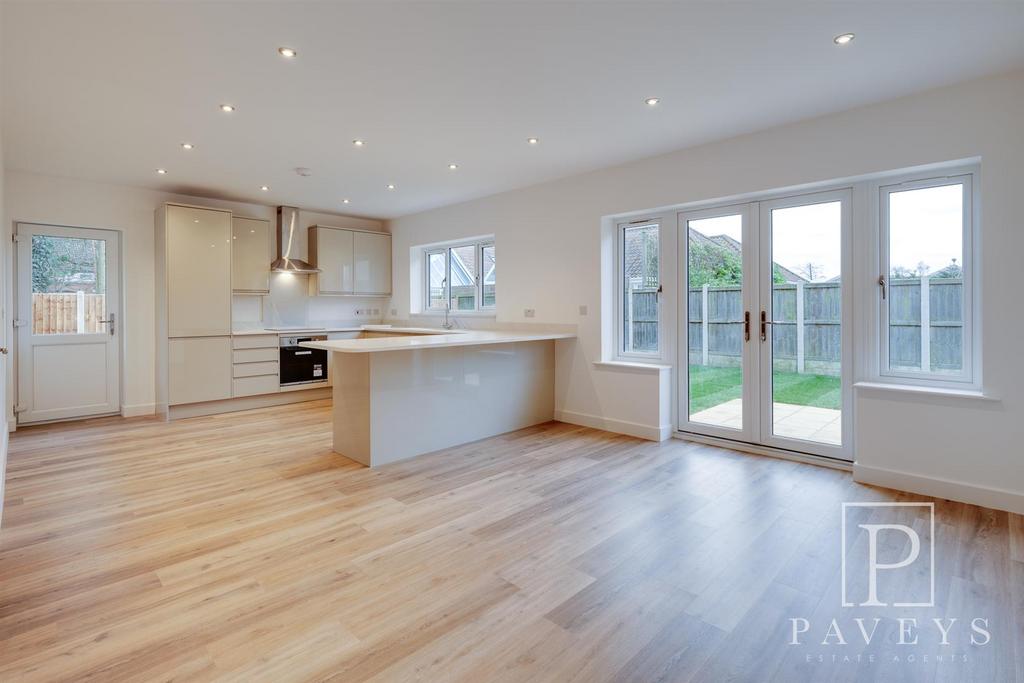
[
  {"x": 764, "y": 326},
  {"x": 109, "y": 322},
  {"x": 882, "y": 284},
  {"x": 746, "y": 326}
]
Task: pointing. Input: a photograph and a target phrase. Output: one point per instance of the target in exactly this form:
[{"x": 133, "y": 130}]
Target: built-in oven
[{"x": 300, "y": 365}]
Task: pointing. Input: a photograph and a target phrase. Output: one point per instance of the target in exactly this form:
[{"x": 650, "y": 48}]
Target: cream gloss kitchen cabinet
[
  {"x": 351, "y": 262},
  {"x": 250, "y": 256},
  {"x": 193, "y": 305}
]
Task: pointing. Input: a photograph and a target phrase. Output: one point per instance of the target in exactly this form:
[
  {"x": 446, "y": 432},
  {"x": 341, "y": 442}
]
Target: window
[
  {"x": 460, "y": 277},
  {"x": 640, "y": 286},
  {"x": 926, "y": 285}
]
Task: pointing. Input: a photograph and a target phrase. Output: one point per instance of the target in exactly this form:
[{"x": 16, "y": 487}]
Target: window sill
[
  {"x": 454, "y": 314},
  {"x": 972, "y": 394},
  {"x": 638, "y": 366}
]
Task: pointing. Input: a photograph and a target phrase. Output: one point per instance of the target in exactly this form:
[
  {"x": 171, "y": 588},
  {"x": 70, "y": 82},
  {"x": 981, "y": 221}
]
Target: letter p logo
[{"x": 887, "y": 546}]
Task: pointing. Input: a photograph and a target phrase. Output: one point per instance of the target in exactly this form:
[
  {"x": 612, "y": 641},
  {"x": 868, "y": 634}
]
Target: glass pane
[
  {"x": 489, "y": 276},
  {"x": 806, "y": 244},
  {"x": 640, "y": 289},
  {"x": 715, "y": 324},
  {"x": 69, "y": 284},
  {"x": 435, "y": 275},
  {"x": 463, "y": 274},
  {"x": 926, "y": 285}
]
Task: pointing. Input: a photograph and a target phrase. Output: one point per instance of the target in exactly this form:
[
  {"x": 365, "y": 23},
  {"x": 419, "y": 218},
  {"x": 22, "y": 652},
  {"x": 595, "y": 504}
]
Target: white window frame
[
  {"x": 620, "y": 339},
  {"x": 445, "y": 250},
  {"x": 970, "y": 377}
]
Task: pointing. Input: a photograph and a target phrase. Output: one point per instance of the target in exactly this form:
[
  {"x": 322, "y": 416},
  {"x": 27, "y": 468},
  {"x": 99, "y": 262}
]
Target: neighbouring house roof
[{"x": 728, "y": 243}]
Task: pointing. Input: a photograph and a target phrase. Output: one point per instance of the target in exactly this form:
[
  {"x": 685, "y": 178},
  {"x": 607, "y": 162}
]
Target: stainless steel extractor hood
[{"x": 288, "y": 260}]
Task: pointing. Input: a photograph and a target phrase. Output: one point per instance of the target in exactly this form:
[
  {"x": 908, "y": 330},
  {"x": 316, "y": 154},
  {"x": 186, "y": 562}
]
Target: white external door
[
  {"x": 68, "y": 323},
  {"x": 764, "y": 334},
  {"x": 803, "y": 323}
]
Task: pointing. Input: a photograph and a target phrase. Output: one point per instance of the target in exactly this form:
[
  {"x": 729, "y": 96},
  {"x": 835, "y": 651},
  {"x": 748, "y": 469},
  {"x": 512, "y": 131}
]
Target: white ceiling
[{"x": 107, "y": 92}]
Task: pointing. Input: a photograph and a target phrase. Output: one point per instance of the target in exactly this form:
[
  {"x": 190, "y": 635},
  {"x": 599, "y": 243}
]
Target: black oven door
[{"x": 302, "y": 366}]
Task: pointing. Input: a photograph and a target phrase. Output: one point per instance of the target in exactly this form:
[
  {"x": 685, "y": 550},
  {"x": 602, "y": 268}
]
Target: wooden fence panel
[
  {"x": 822, "y": 330},
  {"x": 57, "y": 313}
]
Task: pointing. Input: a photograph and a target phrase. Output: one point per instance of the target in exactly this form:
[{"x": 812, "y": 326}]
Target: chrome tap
[{"x": 447, "y": 324}]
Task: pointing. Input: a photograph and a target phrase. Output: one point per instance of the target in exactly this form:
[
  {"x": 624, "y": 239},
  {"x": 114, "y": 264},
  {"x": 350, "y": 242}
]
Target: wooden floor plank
[{"x": 238, "y": 547}]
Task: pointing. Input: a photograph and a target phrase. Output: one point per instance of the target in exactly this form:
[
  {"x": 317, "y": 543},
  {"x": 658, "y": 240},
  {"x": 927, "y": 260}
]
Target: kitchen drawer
[
  {"x": 254, "y": 369},
  {"x": 255, "y": 355},
  {"x": 255, "y": 341},
  {"x": 253, "y": 386}
]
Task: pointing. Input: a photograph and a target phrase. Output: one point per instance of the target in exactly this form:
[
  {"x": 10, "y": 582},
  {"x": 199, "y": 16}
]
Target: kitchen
[{"x": 219, "y": 351}]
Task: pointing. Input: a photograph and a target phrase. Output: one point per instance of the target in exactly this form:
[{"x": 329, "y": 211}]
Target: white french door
[
  {"x": 68, "y": 323},
  {"x": 764, "y": 332}
]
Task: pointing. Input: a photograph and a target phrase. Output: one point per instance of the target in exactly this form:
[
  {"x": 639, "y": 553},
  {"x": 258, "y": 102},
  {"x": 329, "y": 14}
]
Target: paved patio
[{"x": 809, "y": 423}]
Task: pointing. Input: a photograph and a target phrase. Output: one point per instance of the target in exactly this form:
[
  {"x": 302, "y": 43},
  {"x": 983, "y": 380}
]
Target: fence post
[
  {"x": 80, "y": 311},
  {"x": 704, "y": 315},
  {"x": 926, "y": 325},
  {"x": 632, "y": 323},
  {"x": 800, "y": 327}
]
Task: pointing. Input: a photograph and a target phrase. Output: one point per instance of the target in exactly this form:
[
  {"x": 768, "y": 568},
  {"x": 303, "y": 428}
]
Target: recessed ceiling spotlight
[
  {"x": 264, "y": 188},
  {"x": 453, "y": 167},
  {"x": 532, "y": 141},
  {"x": 652, "y": 101},
  {"x": 843, "y": 39},
  {"x": 287, "y": 52},
  {"x": 227, "y": 108},
  {"x": 358, "y": 143},
  {"x": 187, "y": 145},
  {"x": 345, "y": 201},
  {"x": 161, "y": 171},
  {"x": 391, "y": 186}
]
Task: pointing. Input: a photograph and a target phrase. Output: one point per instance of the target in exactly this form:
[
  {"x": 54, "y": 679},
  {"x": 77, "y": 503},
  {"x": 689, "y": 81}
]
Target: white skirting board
[
  {"x": 999, "y": 499},
  {"x": 618, "y": 426}
]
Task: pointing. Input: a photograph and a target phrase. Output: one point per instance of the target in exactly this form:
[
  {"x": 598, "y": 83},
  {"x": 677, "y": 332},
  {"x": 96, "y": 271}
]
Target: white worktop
[
  {"x": 335, "y": 328},
  {"x": 430, "y": 338}
]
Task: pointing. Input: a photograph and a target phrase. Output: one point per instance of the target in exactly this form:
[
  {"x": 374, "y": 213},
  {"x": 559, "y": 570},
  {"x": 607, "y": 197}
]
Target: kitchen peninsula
[{"x": 419, "y": 390}]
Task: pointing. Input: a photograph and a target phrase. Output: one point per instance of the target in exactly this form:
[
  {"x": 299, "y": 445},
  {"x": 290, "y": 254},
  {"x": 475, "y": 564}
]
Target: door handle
[
  {"x": 3, "y": 350},
  {"x": 746, "y": 326},
  {"x": 764, "y": 326},
  {"x": 882, "y": 284},
  {"x": 110, "y": 322}
]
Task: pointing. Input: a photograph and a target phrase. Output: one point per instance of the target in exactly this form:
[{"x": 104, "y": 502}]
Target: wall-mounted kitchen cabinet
[
  {"x": 250, "y": 256},
  {"x": 351, "y": 262},
  {"x": 372, "y": 256}
]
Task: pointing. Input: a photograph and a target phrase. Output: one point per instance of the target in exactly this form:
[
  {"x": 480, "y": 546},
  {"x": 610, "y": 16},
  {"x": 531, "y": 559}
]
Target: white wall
[
  {"x": 5, "y": 360},
  {"x": 549, "y": 246},
  {"x": 64, "y": 201}
]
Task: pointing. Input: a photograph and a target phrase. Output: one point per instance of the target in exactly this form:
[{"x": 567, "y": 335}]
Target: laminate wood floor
[{"x": 239, "y": 547}]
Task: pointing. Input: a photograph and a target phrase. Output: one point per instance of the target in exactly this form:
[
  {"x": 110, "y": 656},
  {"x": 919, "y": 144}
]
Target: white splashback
[{"x": 289, "y": 305}]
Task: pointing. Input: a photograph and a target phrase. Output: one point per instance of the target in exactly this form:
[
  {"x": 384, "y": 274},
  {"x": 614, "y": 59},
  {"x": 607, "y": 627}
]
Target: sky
[{"x": 925, "y": 227}]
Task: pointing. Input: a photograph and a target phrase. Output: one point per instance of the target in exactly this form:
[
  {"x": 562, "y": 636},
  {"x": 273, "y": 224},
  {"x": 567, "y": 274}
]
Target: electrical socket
[
  {"x": 529, "y": 312},
  {"x": 583, "y": 309},
  {"x": 394, "y": 312}
]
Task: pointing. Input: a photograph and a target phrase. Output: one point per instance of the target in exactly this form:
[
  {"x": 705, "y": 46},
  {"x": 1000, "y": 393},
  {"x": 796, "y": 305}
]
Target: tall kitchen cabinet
[
  {"x": 351, "y": 262},
  {"x": 193, "y": 305}
]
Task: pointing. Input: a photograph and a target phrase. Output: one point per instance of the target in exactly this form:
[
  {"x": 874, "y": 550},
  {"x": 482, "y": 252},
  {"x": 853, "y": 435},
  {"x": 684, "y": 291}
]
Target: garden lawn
[{"x": 711, "y": 386}]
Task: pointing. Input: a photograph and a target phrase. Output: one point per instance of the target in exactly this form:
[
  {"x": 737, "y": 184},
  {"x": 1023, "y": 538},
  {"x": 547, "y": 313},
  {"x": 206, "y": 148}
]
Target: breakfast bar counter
[{"x": 412, "y": 391}]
